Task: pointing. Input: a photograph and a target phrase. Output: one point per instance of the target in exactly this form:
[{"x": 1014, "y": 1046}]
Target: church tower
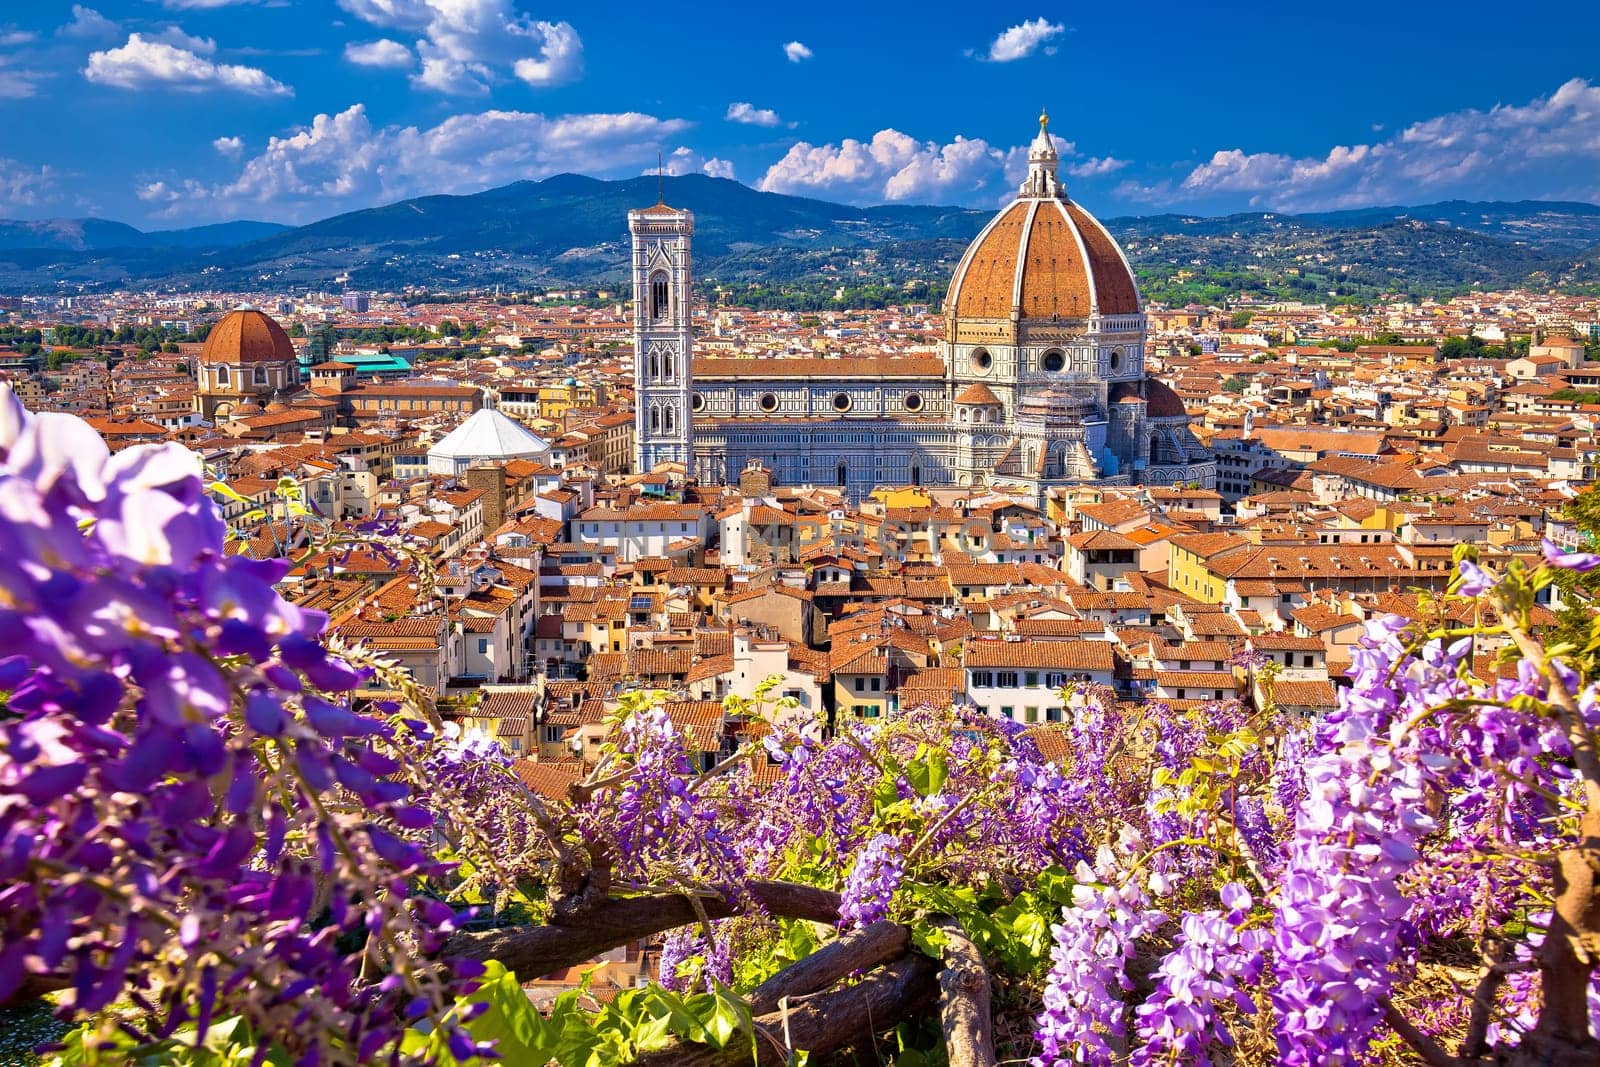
[{"x": 662, "y": 337}]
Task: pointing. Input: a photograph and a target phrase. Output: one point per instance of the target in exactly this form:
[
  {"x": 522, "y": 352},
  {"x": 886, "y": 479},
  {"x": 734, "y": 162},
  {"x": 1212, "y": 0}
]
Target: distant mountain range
[{"x": 571, "y": 229}]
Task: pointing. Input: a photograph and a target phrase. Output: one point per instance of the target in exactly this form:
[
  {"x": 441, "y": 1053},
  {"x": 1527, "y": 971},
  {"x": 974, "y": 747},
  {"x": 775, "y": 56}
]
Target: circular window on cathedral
[
  {"x": 697, "y": 402},
  {"x": 1053, "y": 361},
  {"x": 1116, "y": 359},
  {"x": 841, "y": 401},
  {"x": 768, "y": 402},
  {"x": 913, "y": 402},
  {"x": 982, "y": 360}
]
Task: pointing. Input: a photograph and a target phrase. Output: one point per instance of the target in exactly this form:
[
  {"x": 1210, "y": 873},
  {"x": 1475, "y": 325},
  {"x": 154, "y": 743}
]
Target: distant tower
[{"x": 662, "y": 337}]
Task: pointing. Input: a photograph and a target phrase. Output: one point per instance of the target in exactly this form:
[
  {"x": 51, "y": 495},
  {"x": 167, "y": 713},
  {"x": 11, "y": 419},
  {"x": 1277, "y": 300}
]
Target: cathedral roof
[
  {"x": 706, "y": 368},
  {"x": 247, "y": 336},
  {"x": 1163, "y": 402},
  {"x": 1043, "y": 257}
]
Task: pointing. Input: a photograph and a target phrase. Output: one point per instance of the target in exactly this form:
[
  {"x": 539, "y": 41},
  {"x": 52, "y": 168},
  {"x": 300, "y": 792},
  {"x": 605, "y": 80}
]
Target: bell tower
[{"x": 662, "y": 338}]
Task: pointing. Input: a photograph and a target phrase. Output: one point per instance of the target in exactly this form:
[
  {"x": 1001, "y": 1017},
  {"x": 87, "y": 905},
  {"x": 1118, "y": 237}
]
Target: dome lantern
[{"x": 1042, "y": 180}]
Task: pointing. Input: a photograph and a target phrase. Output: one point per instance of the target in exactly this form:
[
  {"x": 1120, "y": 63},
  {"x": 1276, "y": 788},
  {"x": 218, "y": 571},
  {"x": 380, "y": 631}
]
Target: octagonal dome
[{"x": 1042, "y": 257}]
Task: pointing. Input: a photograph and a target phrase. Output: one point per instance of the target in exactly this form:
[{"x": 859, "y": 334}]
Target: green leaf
[
  {"x": 511, "y": 1019},
  {"x": 930, "y": 940}
]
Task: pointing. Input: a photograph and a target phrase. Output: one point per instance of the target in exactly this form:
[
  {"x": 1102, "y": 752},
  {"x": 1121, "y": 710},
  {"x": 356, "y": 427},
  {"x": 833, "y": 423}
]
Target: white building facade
[{"x": 1039, "y": 380}]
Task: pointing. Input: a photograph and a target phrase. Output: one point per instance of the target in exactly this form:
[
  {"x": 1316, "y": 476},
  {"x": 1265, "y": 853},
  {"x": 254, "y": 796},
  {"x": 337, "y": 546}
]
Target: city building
[
  {"x": 247, "y": 362},
  {"x": 1038, "y": 380}
]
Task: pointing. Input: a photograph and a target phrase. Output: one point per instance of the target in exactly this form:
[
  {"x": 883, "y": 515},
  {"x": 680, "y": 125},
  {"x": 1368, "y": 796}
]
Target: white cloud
[
  {"x": 687, "y": 161},
  {"x": 203, "y": 5},
  {"x": 175, "y": 36},
  {"x": 1096, "y": 166},
  {"x": 146, "y": 62},
  {"x": 10, "y": 38},
  {"x": 560, "y": 56},
  {"x": 1023, "y": 40},
  {"x": 1548, "y": 148},
  {"x": 342, "y": 162},
  {"x": 890, "y": 166},
  {"x": 228, "y": 146},
  {"x": 18, "y": 83},
  {"x": 751, "y": 115},
  {"x": 380, "y": 53},
  {"x": 86, "y": 22},
  {"x": 796, "y": 51},
  {"x": 466, "y": 46},
  {"x": 23, "y": 187}
]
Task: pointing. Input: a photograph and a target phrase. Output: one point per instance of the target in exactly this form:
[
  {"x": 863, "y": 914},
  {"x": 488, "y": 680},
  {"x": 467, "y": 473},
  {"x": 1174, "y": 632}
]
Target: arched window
[
  {"x": 655, "y": 366},
  {"x": 655, "y": 420},
  {"x": 841, "y": 474},
  {"x": 222, "y": 375},
  {"x": 660, "y": 299},
  {"x": 667, "y": 420},
  {"x": 666, "y": 366},
  {"x": 916, "y": 474}
]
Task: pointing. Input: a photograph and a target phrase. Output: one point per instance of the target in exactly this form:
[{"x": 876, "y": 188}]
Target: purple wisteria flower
[
  {"x": 1214, "y": 958},
  {"x": 872, "y": 882},
  {"x": 1569, "y": 561},
  {"x": 1083, "y": 995}
]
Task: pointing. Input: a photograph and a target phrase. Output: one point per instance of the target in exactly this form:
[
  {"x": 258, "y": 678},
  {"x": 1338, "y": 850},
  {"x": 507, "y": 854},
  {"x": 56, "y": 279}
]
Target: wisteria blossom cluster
[
  {"x": 1215, "y": 961},
  {"x": 873, "y": 881},
  {"x": 1098, "y": 935},
  {"x": 192, "y": 817}
]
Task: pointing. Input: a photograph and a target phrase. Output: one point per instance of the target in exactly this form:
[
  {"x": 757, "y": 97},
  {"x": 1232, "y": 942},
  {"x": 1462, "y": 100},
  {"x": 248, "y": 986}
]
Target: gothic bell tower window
[{"x": 660, "y": 297}]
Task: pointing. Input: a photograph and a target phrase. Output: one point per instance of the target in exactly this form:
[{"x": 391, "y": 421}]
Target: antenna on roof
[{"x": 661, "y": 181}]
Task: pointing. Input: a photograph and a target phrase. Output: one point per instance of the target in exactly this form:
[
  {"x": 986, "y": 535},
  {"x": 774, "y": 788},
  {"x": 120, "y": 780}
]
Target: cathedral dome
[
  {"x": 1163, "y": 402},
  {"x": 247, "y": 336},
  {"x": 1042, "y": 257}
]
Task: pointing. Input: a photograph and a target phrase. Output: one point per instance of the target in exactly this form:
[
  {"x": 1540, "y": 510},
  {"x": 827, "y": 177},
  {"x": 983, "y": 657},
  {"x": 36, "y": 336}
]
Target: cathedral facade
[{"x": 1038, "y": 381}]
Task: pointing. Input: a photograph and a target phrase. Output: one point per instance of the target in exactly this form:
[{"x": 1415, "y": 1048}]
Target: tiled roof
[{"x": 1048, "y": 655}]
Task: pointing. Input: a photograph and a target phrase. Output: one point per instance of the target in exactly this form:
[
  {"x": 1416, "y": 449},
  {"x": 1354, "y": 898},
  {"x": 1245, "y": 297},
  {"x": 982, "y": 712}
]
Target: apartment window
[
  {"x": 1006, "y": 679},
  {"x": 1052, "y": 714},
  {"x": 983, "y": 679},
  {"x": 861, "y": 685},
  {"x": 483, "y": 646},
  {"x": 1031, "y": 680},
  {"x": 1008, "y": 711},
  {"x": 1055, "y": 680},
  {"x": 1031, "y": 715},
  {"x": 1305, "y": 660},
  {"x": 552, "y": 735},
  {"x": 877, "y": 685}
]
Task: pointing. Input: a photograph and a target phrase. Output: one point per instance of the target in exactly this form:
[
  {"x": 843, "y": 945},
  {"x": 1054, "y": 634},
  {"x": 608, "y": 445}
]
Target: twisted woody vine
[{"x": 215, "y": 851}]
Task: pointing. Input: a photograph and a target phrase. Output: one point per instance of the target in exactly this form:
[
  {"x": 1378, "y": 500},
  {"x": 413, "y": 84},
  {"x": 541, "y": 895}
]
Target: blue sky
[{"x": 179, "y": 112}]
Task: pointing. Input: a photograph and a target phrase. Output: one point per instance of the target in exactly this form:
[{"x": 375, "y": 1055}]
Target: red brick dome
[
  {"x": 247, "y": 336},
  {"x": 1044, "y": 257},
  {"x": 1163, "y": 402}
]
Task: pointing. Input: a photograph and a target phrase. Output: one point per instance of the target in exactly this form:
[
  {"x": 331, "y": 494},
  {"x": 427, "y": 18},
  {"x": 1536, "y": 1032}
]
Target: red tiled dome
[
  {"x": 1163, "y": 402},
  {"x": 1045, "y": 257},
  {"x": 247, "y": 336}
]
